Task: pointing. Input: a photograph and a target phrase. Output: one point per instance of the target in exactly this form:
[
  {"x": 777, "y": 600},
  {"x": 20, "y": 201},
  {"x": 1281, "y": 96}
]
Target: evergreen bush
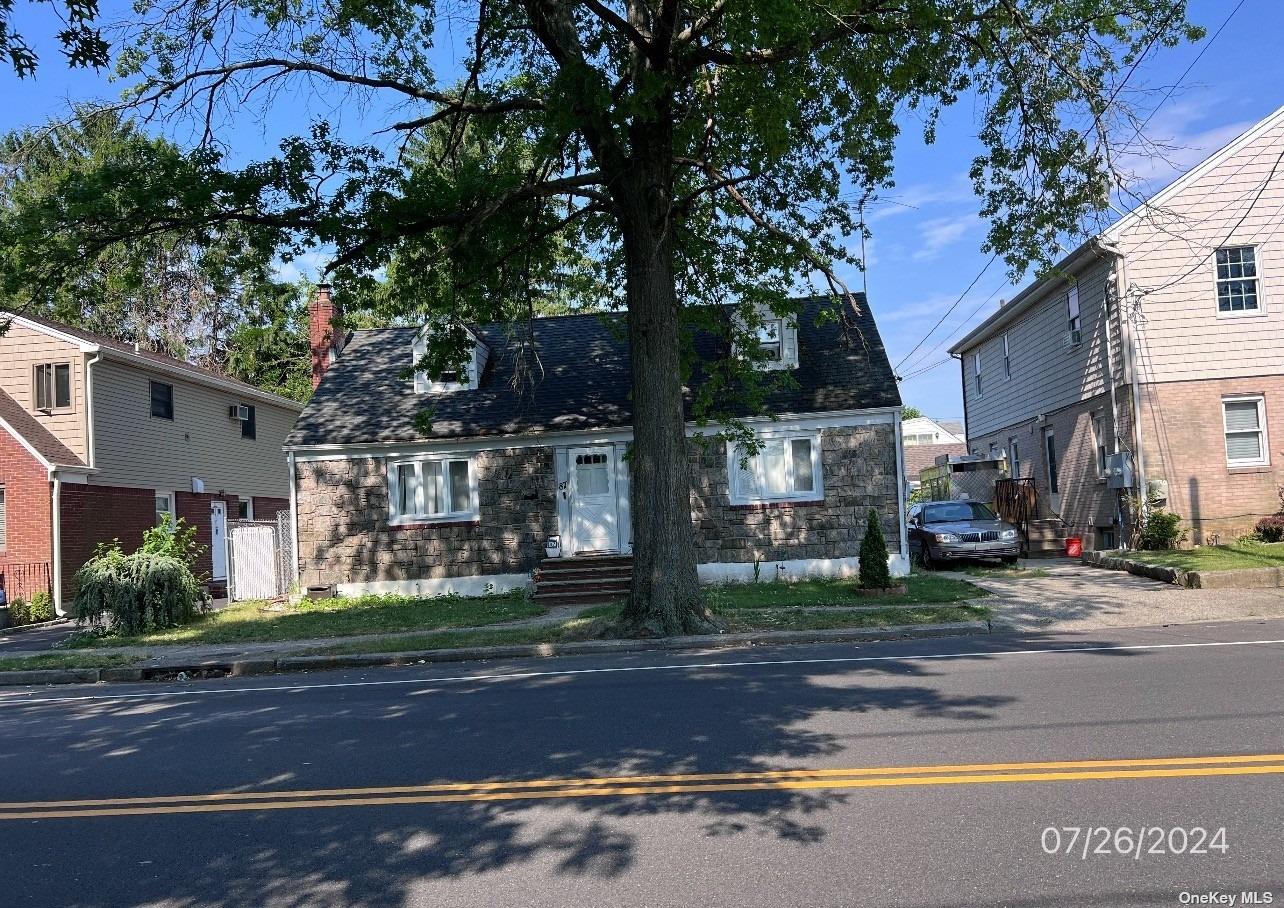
[{"x": 874, "y": 574}]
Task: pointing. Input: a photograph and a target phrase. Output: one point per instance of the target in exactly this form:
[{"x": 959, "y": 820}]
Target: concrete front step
[
  {"x": 583, "y": 580},
  {"x": 586, "y": 597},
  {"x": 543, "y": 575}
]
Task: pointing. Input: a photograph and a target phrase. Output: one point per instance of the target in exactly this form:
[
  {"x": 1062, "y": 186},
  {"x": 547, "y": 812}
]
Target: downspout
[
  {"x": 1130, "y": 366},
  {"x": 294, "y": 521},
  {"x": 89, "y": 407},
  {"x": 56, "y": 530},
  {"x": 900, "y": 487},
  {"x": 1112, "y": 302}
]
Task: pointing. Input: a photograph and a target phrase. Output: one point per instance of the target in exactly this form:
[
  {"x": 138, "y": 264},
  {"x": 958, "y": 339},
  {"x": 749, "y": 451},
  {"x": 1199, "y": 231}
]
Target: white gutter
[
  {"x": 89, "y": 407},
  {"x": 900, "y": 487},
  {"x": 294, "y": 519},
  {"x": 56, "y": 524}
]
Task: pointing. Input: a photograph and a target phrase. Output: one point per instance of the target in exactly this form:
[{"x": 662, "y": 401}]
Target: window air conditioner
[{"x": 238, "y": 411}]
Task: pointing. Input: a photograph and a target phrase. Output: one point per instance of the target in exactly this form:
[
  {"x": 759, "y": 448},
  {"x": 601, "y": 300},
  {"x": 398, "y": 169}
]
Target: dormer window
[
  {"x": 769, "y": 340},
  {"x": 777, "y": 339},
  {"x": 451, "y": 379}
]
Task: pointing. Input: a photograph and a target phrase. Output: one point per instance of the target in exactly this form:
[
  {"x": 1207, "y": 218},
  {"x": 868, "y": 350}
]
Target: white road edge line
[{"x": 520, "y": 676}]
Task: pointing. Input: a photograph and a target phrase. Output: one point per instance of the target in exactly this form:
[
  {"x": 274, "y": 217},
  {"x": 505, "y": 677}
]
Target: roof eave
[{"x": 1030, "y": 295}]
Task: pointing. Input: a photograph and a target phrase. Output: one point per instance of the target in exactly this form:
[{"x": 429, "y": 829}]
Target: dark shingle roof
[
  {"x": 35, "y": 434},
  {"x": 582, "y": 382}
]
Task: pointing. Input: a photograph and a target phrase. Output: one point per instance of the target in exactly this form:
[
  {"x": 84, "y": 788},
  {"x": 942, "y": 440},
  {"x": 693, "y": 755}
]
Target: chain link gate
[{"x": 259, "y": 556}]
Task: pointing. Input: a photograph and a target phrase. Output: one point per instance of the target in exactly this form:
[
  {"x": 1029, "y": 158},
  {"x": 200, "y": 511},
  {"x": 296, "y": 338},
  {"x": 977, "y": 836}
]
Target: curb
[
  {"x": 263, "y": 666},
  {"x": 1231, "y": 579}
]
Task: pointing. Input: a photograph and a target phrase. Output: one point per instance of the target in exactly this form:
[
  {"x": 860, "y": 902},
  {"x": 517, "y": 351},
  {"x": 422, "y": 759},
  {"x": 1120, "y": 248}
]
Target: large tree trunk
[{"x": 665, "y": 599}]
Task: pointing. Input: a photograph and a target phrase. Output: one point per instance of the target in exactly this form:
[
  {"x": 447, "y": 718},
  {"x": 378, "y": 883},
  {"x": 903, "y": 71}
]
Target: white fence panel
[{"x": 254, "y": 572}]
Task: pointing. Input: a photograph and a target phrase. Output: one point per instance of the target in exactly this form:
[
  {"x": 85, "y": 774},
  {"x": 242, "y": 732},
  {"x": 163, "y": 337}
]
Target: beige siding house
[
  {"x": 1160, "y": 341},
  {"x": 98, "y": 439}
]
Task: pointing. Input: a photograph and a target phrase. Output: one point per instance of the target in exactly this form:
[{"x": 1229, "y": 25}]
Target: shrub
[
  {"x": 40, "y": 608},
  {"x": 874, "y": 574},
  {"x": 1159, "y": 529},
  {"x": 1270, "y": 529},
  {"x": 177, "y": 540},
  {"x": 137, "y": 593},
  {"x": 19, "y": 611}
]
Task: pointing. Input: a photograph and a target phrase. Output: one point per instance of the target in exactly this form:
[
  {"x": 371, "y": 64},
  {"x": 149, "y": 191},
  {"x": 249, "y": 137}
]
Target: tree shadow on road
[{"x": 556, "y": 726}]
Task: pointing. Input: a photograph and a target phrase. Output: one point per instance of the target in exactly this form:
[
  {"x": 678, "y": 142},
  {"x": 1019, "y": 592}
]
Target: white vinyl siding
[
  {"x": 135, "y": 449},
  {"x": 436, "y": 489},
  {"x": 1046, "y": 374},
  {"x": 786, "y": 467},
  {"x": 1172, "y": 270},
  {"x": 1244, "y": 420}
]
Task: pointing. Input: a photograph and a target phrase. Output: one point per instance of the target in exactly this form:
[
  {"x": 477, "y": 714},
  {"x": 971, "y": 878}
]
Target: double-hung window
[
  {"x": 164, "y": 507},
  {"x": 438, "y": 489},
  {"x": 1236, "y": 280},
  {"x": 784, "y": 468},
  {"x": 976, "y": 372},
  {"x": 1074, "y": 322},
  {"x": 1099, "y": 442},
  {"x": 1007, "y": 360},
  {"x": 52, "y": 389},
  {"x": 1244, "y": 421}
]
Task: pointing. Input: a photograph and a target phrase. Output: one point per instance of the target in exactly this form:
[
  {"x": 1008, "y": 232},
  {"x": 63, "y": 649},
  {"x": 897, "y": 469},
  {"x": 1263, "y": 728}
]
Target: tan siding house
[
  {"x": 117, "y": 436},
  {"x": 1181, "y": 307}
]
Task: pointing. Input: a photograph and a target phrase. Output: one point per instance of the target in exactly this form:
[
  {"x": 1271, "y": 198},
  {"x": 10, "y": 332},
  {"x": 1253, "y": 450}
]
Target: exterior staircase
[
  {"x": 1046, "y": 537},
  {"x": 583, "y": 579}
]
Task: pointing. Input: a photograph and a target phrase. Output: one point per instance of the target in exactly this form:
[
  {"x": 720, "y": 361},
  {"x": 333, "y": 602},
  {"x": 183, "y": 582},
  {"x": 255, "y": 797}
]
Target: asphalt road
[{"x": 240, "y": 793}]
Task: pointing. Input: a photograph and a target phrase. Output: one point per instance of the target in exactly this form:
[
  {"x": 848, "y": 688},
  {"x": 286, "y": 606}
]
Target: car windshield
[{"x": 955, "y": 511}]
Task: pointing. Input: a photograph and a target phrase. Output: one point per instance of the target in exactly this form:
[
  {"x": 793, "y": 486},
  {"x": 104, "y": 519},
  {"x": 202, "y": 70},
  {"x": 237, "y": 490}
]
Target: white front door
[
  {"x": 218, "y": 539},
  {"x": 593, "y": 506}
]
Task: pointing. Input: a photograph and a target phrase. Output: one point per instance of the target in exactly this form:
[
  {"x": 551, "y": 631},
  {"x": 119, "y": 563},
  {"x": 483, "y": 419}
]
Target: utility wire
[{"x": 953, "y": 306}]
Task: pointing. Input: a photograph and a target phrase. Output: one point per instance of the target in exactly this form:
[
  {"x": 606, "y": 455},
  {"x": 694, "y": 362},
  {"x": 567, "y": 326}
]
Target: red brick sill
[
  {"x": 441, "y": 524},
  {"x": 777, "y": 505}
]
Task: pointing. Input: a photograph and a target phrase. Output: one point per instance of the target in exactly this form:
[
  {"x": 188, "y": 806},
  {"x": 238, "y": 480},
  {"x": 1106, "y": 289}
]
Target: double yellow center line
[{"x": 651, "y": 785}]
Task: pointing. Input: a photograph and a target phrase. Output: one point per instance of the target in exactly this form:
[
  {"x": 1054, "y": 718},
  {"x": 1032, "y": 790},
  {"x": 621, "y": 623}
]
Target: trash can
[{"x": 1074, "y": 546}]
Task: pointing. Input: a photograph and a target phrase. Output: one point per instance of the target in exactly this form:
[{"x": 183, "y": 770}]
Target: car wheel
[{"x": 925, "y": 559}]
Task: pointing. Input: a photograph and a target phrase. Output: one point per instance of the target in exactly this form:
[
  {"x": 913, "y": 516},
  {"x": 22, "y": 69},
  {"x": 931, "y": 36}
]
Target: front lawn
[
  {"x": 923, "y": 589},
  {"x": 247, "y": 622},
  {"x": 65, "y": 660},
  {"x": 1216, "y": 557}
]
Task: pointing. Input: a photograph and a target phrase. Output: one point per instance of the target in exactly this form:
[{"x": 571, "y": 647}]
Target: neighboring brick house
[
  {"x": 98, "y": 438},
  {"x": 1160, "y": 341},
  {"x": 468, "y": 503}
]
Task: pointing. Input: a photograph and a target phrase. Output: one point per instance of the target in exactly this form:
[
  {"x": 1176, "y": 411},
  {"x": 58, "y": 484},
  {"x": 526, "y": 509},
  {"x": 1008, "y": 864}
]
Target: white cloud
[
  {"x": 935, "y": 234},
  {"x": 921, "y": 195},
  {"x": 1177, "y": 139}
]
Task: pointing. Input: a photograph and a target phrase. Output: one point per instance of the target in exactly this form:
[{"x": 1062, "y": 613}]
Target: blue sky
[{"x": 927, "y": 233}]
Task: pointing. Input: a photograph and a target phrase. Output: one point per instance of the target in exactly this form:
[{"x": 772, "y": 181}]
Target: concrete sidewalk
[{"x": 1077, "y": 597}]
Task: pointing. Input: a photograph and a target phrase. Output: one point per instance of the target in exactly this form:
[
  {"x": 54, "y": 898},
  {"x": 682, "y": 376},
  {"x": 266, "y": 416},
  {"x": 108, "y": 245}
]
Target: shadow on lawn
[{"x": 707, "y": 719}]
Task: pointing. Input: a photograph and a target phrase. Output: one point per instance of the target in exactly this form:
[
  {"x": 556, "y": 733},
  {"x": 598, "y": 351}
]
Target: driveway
[
  {"x": 36, "y": 638},
  {"x": 1075, "y": 597}
]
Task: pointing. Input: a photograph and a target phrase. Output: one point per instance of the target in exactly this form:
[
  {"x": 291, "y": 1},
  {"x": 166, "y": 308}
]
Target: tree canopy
[{"x": 689, "y": 152}]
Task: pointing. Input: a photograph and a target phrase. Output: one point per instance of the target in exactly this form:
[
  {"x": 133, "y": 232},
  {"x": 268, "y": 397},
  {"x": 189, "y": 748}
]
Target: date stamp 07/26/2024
[{"x": 1139, "y": 842}]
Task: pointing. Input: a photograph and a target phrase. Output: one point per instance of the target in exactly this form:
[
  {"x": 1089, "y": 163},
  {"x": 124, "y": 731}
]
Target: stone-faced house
[{"x": 381, "y": 505}]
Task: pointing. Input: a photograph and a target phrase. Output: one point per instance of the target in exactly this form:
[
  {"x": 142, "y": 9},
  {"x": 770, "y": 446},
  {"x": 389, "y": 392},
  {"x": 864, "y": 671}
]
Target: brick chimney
[{"x": 325, "y": 340}]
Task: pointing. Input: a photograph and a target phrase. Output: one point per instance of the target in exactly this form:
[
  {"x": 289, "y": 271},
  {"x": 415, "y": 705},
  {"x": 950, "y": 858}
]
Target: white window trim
[
  {"x": 168, "y": 496},
  {"x": 1261, "y": 283},
  {"x": 249, "y": 507},
  {"x": 817, "y": 493},
  {"x": 977, "y": 387},
  {"x": 470, "y": 515},
  {"x": 1099, "y": 443},
  {"x": 1007, "y": 360},
  {"x": 1265, "y": 459},
  {"x": 52, "y": 388},
  {"x": 1074, "y": 316}
]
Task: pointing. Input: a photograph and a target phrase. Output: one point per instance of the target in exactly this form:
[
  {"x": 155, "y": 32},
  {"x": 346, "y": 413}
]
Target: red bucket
[{"x": 1074, "y": 546}]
